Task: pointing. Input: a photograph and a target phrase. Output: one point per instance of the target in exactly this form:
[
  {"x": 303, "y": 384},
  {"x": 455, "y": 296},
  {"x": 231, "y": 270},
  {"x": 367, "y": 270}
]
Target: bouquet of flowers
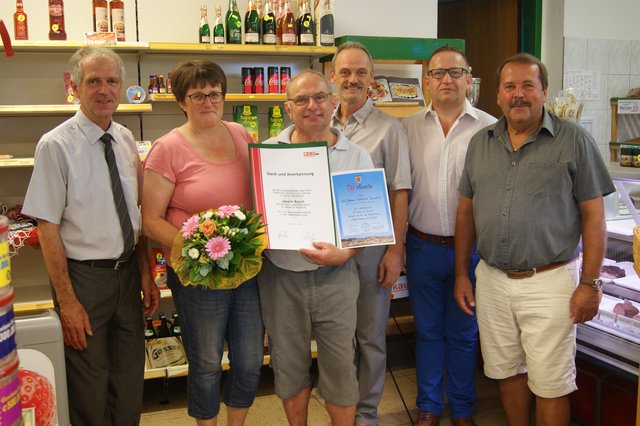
[{"x": 220, "y": 248}]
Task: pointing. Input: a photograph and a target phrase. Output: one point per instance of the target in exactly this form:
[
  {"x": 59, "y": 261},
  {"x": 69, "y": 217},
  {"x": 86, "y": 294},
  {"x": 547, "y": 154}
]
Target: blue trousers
[{"x": 447, "y": 338}]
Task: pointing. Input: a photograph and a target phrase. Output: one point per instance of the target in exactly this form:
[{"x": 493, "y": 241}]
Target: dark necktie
[{"x": 118, "y": 197}]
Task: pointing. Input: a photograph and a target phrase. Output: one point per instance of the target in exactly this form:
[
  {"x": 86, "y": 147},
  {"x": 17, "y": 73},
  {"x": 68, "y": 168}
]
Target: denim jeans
[
  {"x": 447, "y": 338},
  {"x": 207, "y": 318}
]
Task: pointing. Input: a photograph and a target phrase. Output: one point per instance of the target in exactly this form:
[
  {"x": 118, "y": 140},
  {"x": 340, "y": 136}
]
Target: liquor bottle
[
  {"x": 251, "y": 24},
  {"x": 233, "y": 24},
  {"x": 305, "y": 25},
  {"x": 163, "y": 329},
  {"x": 100, "y": 17},
  {"x": 153, "y": 84},
  {"x": 20, "y": 27},
  {"x": 205, "y": 31},
  {"x": 279, "y": 16},
  {"x": 289, "y": 36},
  {"x": 161, "y": 87},
  {"x": 268, "y": 24},
  {"x": 326, "y": 35},
  {"x": 169, "y": 88},
  {"x": 175, "y": 327},
  {"x": 218, "y": 28},
  {"x": 116, "y": 8},
  {"x": 149, "y": 329},
  {"x": 56, "y": 20}
]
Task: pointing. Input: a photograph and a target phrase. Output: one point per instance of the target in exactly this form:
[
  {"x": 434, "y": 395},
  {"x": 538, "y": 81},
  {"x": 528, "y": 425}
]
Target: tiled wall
[{"x": 618, "y": 62}]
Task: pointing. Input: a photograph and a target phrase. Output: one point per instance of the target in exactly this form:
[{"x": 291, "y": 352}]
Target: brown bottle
[
  {"x": 116, "y": 8},
  {"x": 100, "y": 16},
  {"x": 20, "y": 27},
  {"x": 289, "y": 36},
  {"x": 56, "y": 20}
]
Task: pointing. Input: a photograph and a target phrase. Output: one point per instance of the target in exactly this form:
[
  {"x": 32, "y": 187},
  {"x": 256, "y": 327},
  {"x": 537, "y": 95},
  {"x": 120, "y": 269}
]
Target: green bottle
[
  {"x": 268, "y": 24},
  {"x": 252, "y": 24},
  {"x": 205, "y": 31},
  {"x": 218, "y": 29},
  {"x": 233, "y": 24}
]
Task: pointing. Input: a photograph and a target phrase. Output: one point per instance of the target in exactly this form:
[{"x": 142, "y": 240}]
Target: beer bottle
[
  {"x": 100, "y": 17},
  {"x": 233, "y": 24},
  {"x": 56, "y": 20},
  {"x": 20, "y": 27},
  {"x": 149, "y": 329},
  {"x": 116, "y": 8},
  {"x": 205, "y": 31},
  {"x": 288, "y": 25},
  {"x": 305, "y": 26},
  {"x": 252, "y": 24},
  {"x": 218, "y": 28},
  {"x": 268, "y": 24},
  {"x": 175, "y": 327},
  {"x": 163, "y": 329}
]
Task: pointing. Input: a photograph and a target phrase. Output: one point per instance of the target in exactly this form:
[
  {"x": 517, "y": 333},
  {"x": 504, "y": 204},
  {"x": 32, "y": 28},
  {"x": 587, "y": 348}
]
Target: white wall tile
[
  {"x": 575, "y": 54},
  {"x": 618, "y": 85},
  {"x": 634, "y": 80},
  {"x": 598, "y": 55},
  {"x": 619, "y": 56}
]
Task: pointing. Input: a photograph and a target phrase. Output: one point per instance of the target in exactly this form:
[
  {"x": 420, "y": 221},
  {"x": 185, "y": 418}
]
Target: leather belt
[
  {"x": 437, "y": 239},
  {"x": 518, "y": 274},
  {"x": 114, "y": 264}
]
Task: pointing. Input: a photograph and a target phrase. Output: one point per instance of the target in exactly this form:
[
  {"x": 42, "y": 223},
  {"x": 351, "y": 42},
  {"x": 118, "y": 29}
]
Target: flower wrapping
[{"x": 219, "y": 249}]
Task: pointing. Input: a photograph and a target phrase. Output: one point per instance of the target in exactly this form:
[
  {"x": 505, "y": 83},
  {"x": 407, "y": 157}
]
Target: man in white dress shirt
[{"x": 446, "y": 337}]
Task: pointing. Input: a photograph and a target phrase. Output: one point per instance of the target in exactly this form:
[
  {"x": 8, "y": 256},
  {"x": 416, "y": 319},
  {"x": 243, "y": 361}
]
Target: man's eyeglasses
[
  {"x": 214, "y": 97},
  {"x": 318, "y": 98},
  {"x": 439, "y": 73}
]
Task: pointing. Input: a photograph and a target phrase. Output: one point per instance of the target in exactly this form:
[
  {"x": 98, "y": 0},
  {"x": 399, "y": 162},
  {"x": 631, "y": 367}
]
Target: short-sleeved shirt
[
  {"x": 71, "y": 187},
  {"x": 383, "y": 137},
  {"x": 343, "y": 156},
  {"x": 436, "y": 166},
  {"x": 201, "y": 184},
  {"x": 526, "y": 203}
]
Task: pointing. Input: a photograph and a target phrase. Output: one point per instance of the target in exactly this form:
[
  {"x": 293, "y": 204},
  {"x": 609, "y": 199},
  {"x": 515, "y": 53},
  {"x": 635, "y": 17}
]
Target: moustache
[
  {"x": 519, "y": 102},
  {"x": 352, "y": 86}
]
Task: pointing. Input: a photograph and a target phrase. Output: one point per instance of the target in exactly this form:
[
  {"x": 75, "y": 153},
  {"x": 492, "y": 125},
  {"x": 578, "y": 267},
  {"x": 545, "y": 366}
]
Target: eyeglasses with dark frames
[
  {"x": 439, "y": 73},
  {"x": 214, "y": 97}
]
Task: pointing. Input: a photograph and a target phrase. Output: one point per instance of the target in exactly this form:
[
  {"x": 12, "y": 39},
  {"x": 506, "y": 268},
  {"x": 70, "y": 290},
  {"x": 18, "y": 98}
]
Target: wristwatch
[{"x": 594, "y": 283}]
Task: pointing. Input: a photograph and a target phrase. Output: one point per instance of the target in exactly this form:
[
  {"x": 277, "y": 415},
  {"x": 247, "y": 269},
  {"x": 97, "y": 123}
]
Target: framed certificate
[
  {"x": 291, "y": 188},
  {"x": 362, "y": 208}
]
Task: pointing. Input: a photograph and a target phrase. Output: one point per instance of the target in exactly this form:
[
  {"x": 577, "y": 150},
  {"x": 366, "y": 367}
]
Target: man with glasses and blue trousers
[{"x": 447, "y": 338}]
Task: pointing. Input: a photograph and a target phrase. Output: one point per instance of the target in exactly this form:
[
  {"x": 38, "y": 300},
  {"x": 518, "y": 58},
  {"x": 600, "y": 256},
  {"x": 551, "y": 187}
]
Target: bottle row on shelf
[
  {"x": 273, "y": 24},
  {"x": 165, "y": 328}
]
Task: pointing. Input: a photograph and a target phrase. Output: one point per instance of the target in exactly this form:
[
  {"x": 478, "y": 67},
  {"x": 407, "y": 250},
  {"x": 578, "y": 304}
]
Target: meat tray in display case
[{"x": 609, "y": 345}]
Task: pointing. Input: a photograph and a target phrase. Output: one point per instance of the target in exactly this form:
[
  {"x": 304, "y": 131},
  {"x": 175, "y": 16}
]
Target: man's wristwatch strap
[{"x": 594, "y": 283}]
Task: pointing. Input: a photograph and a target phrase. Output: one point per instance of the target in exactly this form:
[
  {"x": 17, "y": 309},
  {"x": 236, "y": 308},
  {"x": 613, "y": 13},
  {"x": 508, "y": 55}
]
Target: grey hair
[
  {"x": 351, "y": 45},
  {"x": 77, "y": 61},
  {"x": 308, "y": 71}
]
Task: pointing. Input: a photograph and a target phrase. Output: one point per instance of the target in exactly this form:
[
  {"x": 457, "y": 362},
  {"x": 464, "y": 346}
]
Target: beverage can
[
  {"x": 273, "y": 77},
  {"x": 11, "y": 413},
  {"x": 247, "y": 80},
  {"x": 258, "y": 79},
  {"x": 7, "y": 330},
  {"x": 285, "y": 76}
]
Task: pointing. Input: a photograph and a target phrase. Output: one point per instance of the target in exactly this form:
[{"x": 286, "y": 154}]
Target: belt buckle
[
  {"x": 119, "y": 265},
  {"x": 443, "y": 242}
]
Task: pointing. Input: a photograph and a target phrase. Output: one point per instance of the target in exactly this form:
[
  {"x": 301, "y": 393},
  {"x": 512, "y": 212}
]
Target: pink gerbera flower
[
  {"x": 217, "y": 247},
  {"x": 227, "y": 211},
  {"x": 190, "y": 226}
]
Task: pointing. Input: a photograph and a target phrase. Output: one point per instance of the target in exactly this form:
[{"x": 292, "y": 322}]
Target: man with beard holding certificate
[{"x": 313, "y": 291}]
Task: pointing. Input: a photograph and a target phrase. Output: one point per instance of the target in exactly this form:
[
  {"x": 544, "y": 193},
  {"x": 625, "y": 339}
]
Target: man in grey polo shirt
[
  {"x": 96, "y": 274},
  {"x": 309, "y": 292},
  {"x": 532, "y": 186},
  {"x": 379, "y": 266}
]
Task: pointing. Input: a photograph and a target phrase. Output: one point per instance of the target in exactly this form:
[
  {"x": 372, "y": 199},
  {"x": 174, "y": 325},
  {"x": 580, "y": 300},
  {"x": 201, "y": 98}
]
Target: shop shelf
[
  {"x": 30, "y": 110},
  {"x": 231, "y": 97},
  {"x": 241, "y": 49}
]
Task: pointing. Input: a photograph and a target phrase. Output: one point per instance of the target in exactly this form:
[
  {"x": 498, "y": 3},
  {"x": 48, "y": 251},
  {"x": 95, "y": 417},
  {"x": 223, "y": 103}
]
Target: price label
[{"x": 629, "y": 106}]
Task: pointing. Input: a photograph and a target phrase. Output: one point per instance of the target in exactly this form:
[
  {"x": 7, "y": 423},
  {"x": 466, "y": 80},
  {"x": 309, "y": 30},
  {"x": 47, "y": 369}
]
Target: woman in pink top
[{"x": 204, "y": 164}]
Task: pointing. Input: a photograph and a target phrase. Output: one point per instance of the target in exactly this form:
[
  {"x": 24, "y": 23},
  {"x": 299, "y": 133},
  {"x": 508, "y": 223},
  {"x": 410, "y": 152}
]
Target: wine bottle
[
  {"x": 100, "y": 17},
  {"x": 305, "y": 26},
  {"x": 205, "y": 31},
  {"x": 268, "y": 24},
  {"x": 279, "y": 16},
  {"x": 218, "y": 28},
  {"x": 251, "y": 24},
  {"x": 20, "y": 26},
  {"x": 326, "y": 25},
  {"x": 116, "y": 8},
  {"x": 289, "y": 36},
  {"x": 233, "y": 24}
]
